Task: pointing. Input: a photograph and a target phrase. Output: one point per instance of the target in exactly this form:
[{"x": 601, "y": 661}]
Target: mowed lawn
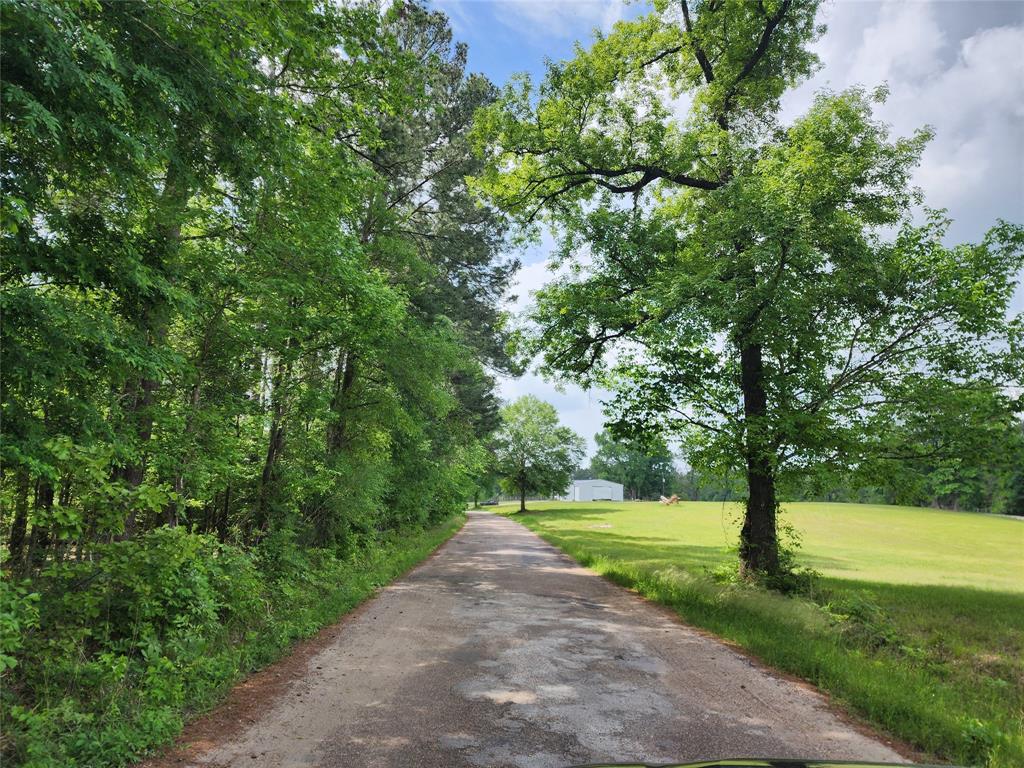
[{"x": 916, "y": 621}]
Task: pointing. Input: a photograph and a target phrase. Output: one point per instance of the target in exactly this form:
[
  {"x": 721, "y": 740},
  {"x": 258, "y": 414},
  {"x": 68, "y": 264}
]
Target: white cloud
[
  {"x": 904, "y": 43},
  {"x": 968, "y": 86},
  {"x": 975, "y": 165},
  {"x": 557, "y": 18},
  {"x": 577, "y": 409}
]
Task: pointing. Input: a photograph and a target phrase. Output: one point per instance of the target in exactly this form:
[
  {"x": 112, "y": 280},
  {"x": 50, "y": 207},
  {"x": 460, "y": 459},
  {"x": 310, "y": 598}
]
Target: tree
[
  {"x": 761, "y": 308},
  {"x": 535, "y": 454},
  {"x": 240, "y": 293},
  {"x": 644, "y": 469},
  {"x": 1014, "y": 504},
  {"x": 694, "y": 485},
  {"x": 246, "y": 292},
  {"x": 451, "y": 262}
]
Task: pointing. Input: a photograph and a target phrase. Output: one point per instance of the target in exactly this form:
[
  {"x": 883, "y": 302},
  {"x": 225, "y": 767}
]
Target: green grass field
[{"x": 916, "y": 621}]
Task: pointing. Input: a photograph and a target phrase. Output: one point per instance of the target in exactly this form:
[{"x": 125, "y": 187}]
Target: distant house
[{"x": 594, "y": 490}]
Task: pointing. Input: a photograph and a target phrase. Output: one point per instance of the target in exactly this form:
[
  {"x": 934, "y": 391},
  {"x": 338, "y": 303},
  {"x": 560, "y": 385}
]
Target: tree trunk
[
  {"x": 274, "y": 446},
  {"x": 141, "y": 395},
  {"x": 275, "y": 443},
  {"x": 344, "y": 378},
  {"x": 153, "y": 318},
  {"x": 20, "y": 524},
  {"x": 60, "y": 544},
  {"x": 195, "y": 394},
  {"x": 759, "y": 546},
  {"x": 222, "y": 518},
  {"x": 39, "y": 540},
  {"x": 171, "y": 510},
  {"x": 522, "y": 498}
]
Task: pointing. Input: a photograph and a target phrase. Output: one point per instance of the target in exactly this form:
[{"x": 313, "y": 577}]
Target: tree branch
[
  {"x": 771, "y": 24},
  {"x": 698, "y": 51}
]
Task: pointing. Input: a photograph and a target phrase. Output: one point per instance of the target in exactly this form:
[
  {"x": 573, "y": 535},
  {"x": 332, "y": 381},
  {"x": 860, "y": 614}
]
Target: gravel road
[{"x": 501, "y": 651}]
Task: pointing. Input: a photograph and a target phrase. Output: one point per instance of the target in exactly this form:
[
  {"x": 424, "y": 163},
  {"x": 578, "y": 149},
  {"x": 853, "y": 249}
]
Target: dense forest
[{"x": 250, "y": 326}]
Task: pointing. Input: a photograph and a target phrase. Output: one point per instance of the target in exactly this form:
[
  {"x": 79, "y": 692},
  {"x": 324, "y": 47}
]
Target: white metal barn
[{"x": 595, "y": 490}]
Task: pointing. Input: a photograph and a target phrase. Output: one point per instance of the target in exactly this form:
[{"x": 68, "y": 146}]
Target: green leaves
[
  {"x": 760, "y": 291},
  {"x": 534, "y": 454},
  {"x": 19, "y": 615},
  {"x": 604, "y": 120}
]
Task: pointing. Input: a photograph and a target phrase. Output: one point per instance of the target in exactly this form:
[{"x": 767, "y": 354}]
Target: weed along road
[{"x": 500, "y": 651}]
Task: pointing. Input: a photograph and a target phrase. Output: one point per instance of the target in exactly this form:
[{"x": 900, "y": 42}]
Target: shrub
[{"x": 104, "y": 659}]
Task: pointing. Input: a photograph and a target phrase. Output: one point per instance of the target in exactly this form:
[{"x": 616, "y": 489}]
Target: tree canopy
[
  {"x": 645, "y": 469},
  {"x": 764, "y": 292},
  {"x": 534, "y": 453},
  {"x": 246, "y": 288}
]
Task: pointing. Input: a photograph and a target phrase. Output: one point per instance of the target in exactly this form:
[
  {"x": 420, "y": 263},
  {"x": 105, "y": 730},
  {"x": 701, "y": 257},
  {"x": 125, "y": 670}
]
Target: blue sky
[
  {"x": 954, "y": 65},
  {"x": 511, "y": 36}
]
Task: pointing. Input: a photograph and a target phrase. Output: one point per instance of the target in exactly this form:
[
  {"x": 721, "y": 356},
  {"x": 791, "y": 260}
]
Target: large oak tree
[{"x": 762, "y": 290}]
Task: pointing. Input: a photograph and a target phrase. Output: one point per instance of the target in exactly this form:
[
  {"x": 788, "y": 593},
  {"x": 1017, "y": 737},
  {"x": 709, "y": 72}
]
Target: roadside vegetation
[
  {"x": 251, "y": 322},
  {"x": 152, "y": 632},
  {"x": 913, "y": 619}
]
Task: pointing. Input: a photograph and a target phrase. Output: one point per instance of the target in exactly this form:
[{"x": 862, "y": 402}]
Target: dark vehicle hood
[{"x": 757, "y": 763}]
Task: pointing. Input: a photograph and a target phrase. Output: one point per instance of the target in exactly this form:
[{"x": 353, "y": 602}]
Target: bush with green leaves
[{"x": 107, "y": 658}]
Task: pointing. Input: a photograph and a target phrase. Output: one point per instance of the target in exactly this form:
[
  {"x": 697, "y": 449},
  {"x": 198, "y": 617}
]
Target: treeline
[
  {"x": 999, "y": 491},
  {"x": 247, "y": 297},
  {"x": 972, "y": 483},
  {"x": 245, "y": 287},
  {"x": 985, "y": 484}
]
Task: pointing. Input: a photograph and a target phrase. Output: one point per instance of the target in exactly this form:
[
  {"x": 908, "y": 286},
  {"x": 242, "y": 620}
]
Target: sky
[{"x": 956, "y": 65}]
